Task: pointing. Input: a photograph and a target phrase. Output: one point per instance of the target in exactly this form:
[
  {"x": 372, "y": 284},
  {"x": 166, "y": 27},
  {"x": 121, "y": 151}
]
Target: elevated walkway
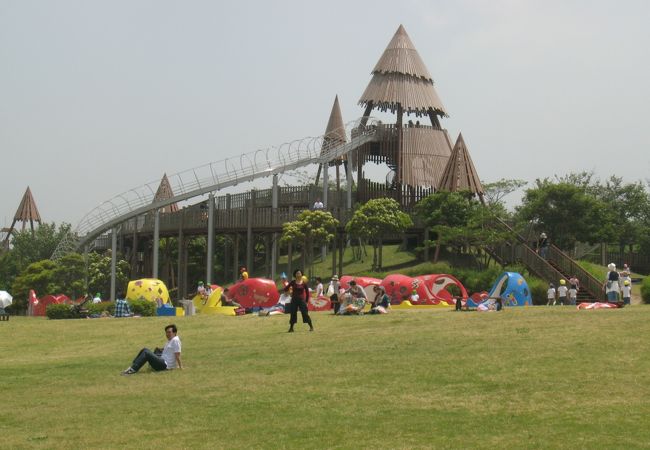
[{"x": 213, "y": 177}]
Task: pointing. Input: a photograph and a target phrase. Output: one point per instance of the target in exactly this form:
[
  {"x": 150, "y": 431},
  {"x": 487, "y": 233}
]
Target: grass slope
[{"x": 525, "y": 378}]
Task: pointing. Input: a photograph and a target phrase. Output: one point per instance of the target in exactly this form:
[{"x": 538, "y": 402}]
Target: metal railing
[{"x": 216, "y": 176}]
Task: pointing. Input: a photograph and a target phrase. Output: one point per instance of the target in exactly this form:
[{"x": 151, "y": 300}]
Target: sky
[{"x": 98, "y": 97}]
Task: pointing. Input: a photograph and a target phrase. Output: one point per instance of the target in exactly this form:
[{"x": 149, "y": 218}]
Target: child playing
[
  {"x": 573, "y": 295},
  {"x": 627, "y": 292},
  {"x": 550, "y": 294},
  {"x": 562, "y": 293}
]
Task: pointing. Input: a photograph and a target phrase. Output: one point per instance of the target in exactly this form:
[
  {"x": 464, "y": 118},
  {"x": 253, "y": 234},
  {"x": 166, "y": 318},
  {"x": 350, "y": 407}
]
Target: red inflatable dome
[{"x": 255, "y": 292}]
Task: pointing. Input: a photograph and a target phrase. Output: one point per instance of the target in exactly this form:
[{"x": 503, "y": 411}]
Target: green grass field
[{"x": 524, "y": 378}]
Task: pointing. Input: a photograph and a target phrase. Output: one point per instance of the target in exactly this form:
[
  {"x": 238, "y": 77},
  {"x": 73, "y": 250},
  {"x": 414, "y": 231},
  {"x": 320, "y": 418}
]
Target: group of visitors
[
  {"x": 618, "y": 284},
  {"x": 564, "y": 295}
]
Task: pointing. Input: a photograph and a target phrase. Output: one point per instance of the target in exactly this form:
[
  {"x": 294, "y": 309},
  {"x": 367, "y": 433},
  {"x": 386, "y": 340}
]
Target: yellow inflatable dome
[{"x": 149, "y": 289}]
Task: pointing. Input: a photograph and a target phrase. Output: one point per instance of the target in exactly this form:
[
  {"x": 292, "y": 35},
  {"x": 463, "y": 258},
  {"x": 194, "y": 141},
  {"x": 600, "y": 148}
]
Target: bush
[
  {"x": 142, "y": 307},
  {"x": 99, "y": 308},
  {"x": 645, "y": 290},
  {"x": 61, "y": 311}
]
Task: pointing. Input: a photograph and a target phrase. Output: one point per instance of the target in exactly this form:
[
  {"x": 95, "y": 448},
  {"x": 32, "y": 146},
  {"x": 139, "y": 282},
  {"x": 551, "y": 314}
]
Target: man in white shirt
[
  {"x": 318, "y": 204},
  {"x": 166, "y": 358}
]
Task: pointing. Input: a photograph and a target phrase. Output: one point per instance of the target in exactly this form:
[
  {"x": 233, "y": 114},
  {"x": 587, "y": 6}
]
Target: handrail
[
  {"x": 564, "y": 262},
  {"x": 571, "y": 267},
  {"x": 205, "y": 179}
]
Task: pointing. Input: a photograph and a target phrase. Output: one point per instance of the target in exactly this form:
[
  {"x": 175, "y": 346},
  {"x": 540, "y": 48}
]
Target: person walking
[
  {"x": 550, "y": 295},
  {"x": 542, "y": 245},
  {"x": 299, "y": 298}
]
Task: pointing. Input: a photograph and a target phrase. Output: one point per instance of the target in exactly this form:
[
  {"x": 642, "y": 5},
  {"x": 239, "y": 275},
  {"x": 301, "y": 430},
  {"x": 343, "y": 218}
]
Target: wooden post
[{"x": 181, "y": 277}]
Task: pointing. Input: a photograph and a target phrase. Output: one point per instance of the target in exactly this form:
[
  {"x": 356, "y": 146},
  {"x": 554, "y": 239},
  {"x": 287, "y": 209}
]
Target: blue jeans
[
  {"x": 147, "y": 356},
  {"x": 612, "y": 296}
]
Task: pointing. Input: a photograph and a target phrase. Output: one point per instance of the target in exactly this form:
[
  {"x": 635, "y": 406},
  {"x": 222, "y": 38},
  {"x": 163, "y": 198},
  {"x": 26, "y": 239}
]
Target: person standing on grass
[
  {"x": 550, "y": 295},
  {"x": 611, "y": 283},
  {"x": 319, "y": 287},
  {"x": 167, "y": 358},
  {"x": 627, "y": 292},
  {"x": 562, "y": 292},
  {"x": 299, "y": 297},
  {"x": 573, "y": 295}
]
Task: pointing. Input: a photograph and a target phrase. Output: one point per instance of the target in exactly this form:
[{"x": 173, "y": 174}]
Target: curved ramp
[{"x": 219, "y": 175}]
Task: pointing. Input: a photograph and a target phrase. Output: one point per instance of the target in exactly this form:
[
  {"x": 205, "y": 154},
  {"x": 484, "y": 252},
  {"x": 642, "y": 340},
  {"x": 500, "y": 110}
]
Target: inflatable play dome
[{"x": 149, "y": 289}]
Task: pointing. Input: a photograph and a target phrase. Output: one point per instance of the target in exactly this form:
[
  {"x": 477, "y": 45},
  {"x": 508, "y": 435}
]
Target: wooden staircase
[{"x": 557, "y": 265}]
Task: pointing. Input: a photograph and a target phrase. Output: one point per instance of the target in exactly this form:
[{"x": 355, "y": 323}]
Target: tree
[
  {"x": 69, "y": 275},
  {"x": 99, "y": 273},
  {"x": 567, "y": 213},
  {"x": 312, "y": 228},
  {"x": 443, "y": 212},
  {"x": 496, "y": 191},
  {"x": 376, "y": 219},
  {"x": 28, "y": 248},
  {"x": 459, "y": 221},
  {"x": 38, "y": 276}
]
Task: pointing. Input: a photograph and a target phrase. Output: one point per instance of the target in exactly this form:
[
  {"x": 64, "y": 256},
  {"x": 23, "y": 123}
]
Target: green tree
[
  {"x": 496, "y": 191},
  {"x": 445, "y": 213},
  {"x": 376, "y": 219},
  {"x": 567, "y": 213},
  {"x": 27, "y": 248},
  {"x": 39, "y": 276},
  {"x": 69, "y": 275},
  {"x": 99, "y": 274},
  {"x": 459, "y": 221},
  {"x": 312, "y": 228}
]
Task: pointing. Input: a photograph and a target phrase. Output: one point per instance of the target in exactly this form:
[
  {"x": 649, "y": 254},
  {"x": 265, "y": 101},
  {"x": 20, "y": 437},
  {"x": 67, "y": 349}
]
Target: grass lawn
[{"x": 525, "y": 378}]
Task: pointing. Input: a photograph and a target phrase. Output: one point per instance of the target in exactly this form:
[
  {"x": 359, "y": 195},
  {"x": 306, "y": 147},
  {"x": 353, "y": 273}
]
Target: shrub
[
  {"x": 61, "y": 311},
  {"x": 99, "y": 308},
  {"x": 142, "y": 307},
  {"x": 645, "y": 290}
]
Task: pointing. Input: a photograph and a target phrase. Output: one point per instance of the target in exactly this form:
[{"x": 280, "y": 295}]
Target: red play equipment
[
  {"x": 432, "y": 289},
  {"x": 37, "y": 306},
  {"x": 254, "y": 292}
]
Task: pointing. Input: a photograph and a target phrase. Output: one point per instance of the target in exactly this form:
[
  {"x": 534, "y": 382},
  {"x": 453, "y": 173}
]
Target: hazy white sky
[{"x": 97, "y": 97}]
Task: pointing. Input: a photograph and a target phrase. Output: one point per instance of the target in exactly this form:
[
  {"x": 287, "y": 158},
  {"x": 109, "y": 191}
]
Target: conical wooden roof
[
  {"x": 460, "y": 173},
  {"x": 27, "y": 210},
  {"x": 401, "y": 78},
  {"x": 335, "y": 131},
  {"x": 165, "y": 192}
]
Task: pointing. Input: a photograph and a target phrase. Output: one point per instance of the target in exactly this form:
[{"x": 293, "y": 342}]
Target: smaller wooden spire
[
  {"x": 460, "y": 173},
  {"x": 335, "y": 131},
  {"x": 26, "y": 212},
  {"x": 165, "y": 192}
]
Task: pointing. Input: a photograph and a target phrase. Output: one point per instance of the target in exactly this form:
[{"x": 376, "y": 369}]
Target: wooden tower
[
  {"x": 26, "y": 212},
  {"x": 460, "y": 173},
  {"x": 417, "y": 153},
  {"x": 334, "y": 136},
  {"x": 165, "y": 192}
]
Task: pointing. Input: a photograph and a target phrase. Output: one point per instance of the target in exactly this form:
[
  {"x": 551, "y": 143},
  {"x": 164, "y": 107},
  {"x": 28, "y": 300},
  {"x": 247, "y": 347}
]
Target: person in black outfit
[{"x": 299, "y": 297}]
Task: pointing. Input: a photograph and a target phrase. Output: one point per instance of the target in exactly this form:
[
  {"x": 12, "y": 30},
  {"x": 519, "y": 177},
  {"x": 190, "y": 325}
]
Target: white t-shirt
[
  {"x": 627, "y": 291},
  {"x": 561, "y": 291},
  {"x": 319, "y": 289},
  {"x": 573, "y": 293},
  {"x": 97, "y": 300},
  {"x": 550, "y": 293},
  {"x": 172, "y": 347}
]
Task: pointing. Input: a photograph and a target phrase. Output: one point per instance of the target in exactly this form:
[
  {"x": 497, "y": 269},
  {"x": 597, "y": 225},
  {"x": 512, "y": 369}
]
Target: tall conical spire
[
  {"x": 400, "y": 79},
  {"x": 460, "y": 173},
  {"x": 165, "y": 192},
  {"x": 26, "y": 212},
  {"x": 335, "y": 131}
]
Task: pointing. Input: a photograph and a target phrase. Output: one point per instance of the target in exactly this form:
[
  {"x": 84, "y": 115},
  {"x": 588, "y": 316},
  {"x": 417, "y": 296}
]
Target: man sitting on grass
[{"x": 166, "y": 359}]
